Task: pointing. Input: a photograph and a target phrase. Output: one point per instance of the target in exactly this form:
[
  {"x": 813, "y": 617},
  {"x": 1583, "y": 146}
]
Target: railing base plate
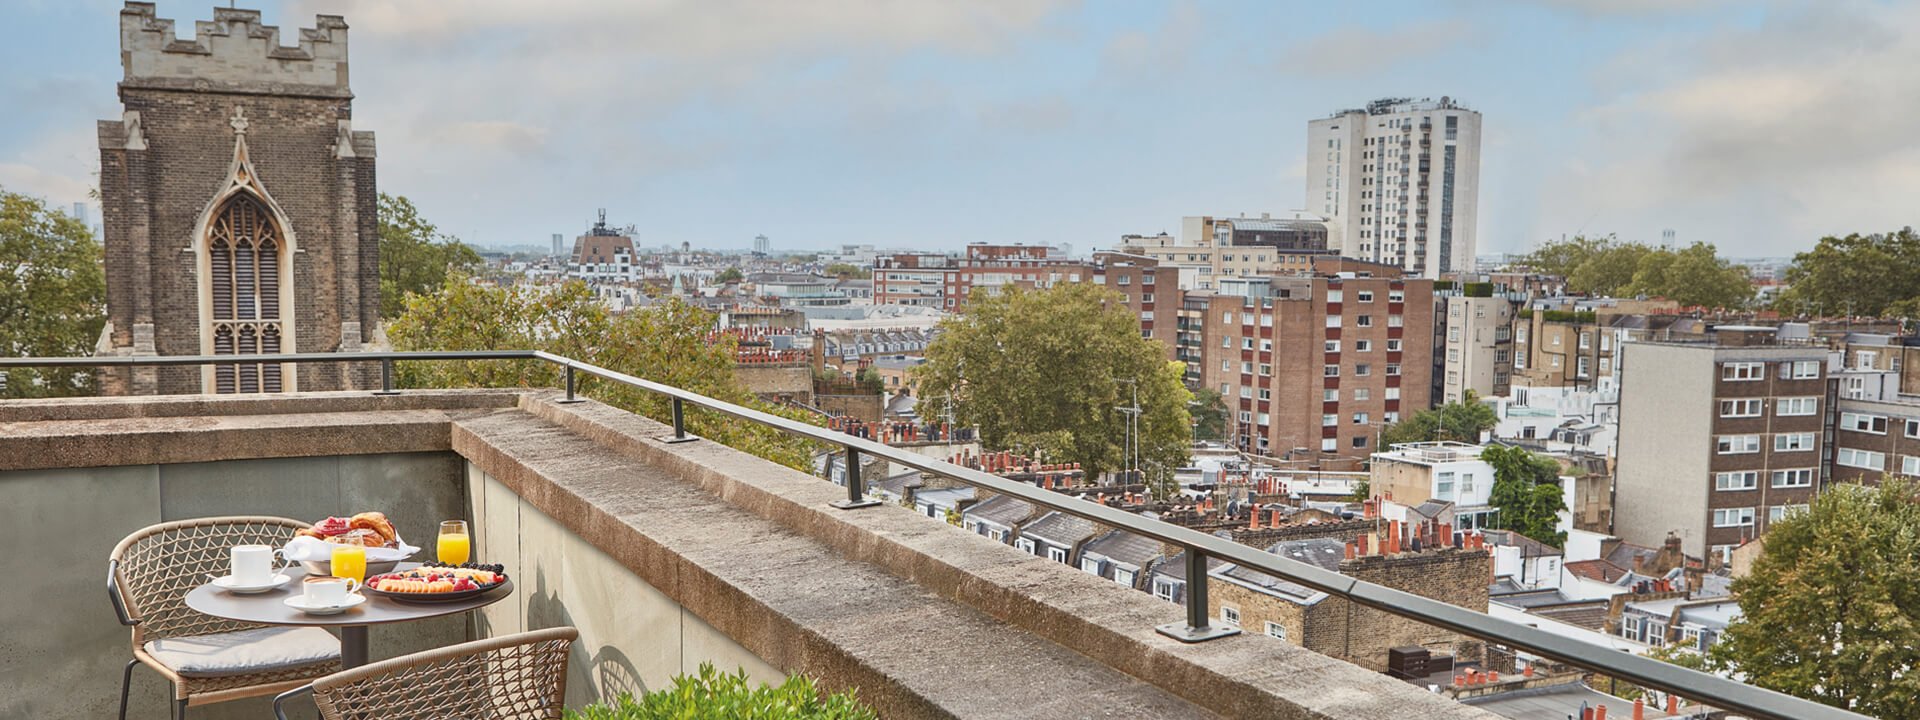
[
  {"x": 569, "y": 402},
  {"x": 386, "y": 392},
  {"x": 678, "y": 440},
  {"x": 851, "y": 505},
  {"x": 1188, "y": 634}
]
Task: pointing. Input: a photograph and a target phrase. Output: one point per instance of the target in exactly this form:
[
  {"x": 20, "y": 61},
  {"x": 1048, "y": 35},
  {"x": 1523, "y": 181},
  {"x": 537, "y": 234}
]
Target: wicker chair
[
  {"x": 512, "y": 677},
  {"x": 206, "y": 659}
]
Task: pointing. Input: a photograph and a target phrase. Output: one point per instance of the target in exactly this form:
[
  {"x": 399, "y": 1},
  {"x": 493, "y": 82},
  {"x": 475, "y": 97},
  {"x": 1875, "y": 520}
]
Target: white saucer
[
  {"x": 225, "y": 582},
  {"x": 299, "y": 602}
]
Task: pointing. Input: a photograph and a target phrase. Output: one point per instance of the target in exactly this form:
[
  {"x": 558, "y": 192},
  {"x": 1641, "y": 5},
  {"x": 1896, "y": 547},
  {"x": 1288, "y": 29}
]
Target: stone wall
[
  {"x": 775, "y": 382},
  {"x": 1453, "y": 576}
]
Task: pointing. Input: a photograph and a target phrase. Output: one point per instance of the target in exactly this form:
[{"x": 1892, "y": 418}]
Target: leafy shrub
[{"x": 713, "y": 695}]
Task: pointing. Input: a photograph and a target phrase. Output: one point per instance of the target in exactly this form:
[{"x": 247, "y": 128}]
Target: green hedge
[{"x": 716, "y": 696}]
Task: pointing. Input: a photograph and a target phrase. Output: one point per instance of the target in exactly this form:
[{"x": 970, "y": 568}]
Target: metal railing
[{"x": 1713, "y": 690}]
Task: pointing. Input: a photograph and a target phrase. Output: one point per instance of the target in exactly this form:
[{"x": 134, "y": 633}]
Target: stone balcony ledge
[{"x": 925, "y": 620}]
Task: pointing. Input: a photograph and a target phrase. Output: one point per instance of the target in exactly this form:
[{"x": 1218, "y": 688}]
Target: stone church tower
[{"x": 238, "y": 207}]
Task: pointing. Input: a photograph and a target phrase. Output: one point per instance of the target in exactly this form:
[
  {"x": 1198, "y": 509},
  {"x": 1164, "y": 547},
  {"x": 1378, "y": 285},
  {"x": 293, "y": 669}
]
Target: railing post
[
  {"x": 1196, "y": 628},
  {"x": 386, "y": 378},
  {"x": 856, "y": 489},
  {"x": 570, "y": 398},
  {"x": 680, "y": 423}
]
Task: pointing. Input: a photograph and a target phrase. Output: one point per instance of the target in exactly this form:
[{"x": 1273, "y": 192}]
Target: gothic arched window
[{"x": 244, "y": 249}]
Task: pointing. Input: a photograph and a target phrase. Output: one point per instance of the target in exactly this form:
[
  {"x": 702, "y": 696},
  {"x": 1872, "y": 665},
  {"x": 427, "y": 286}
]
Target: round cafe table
[{"x": 270, "y": 608}]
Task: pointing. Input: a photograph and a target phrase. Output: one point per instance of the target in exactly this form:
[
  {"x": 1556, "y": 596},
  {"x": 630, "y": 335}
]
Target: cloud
[
  {"x": 1358, "y": 51},
  {"x": 510, "y": 137},
  {"x": 60, "y": 167},
  {"x": 1626, "y": 7},
  {"x": 1760, "y": 139}
]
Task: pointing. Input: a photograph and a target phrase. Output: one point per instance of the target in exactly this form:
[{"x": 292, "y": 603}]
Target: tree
[
  {"x": 848, "y": 270},
  {"x": 414, "y": 256},
  {"x": 665, "y": 343},
  {"x": 1831, "y": 609},
  {"x": 1876, "y": 275},
  {"x": 1526, "y": 490},
  {"x": 1209, "y": 414},
  {"x": 1695, "y": 276},
  {"x": 1044, "y": 371},
  {"x": 1563, "y": 257},
  {"x": 52, "y": 296},
  {"x": 729, "y": 275},
  {"x": 1609, "y": 271},
  {"x": 1462, "y": 421}
]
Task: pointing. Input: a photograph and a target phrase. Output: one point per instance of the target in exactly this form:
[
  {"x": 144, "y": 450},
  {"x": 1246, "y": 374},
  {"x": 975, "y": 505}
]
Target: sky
[{"x": 1757, "y": 126}]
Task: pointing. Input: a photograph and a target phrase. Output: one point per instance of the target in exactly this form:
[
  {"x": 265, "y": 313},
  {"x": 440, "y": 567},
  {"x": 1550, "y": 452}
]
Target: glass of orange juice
[
  {"x": 350, "y": 561},
  {"x": 456, "y": 546}
]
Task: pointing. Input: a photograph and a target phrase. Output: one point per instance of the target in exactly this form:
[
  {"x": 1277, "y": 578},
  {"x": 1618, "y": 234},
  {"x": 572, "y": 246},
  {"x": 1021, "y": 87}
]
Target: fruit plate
[{"x": 432, "y": 598}]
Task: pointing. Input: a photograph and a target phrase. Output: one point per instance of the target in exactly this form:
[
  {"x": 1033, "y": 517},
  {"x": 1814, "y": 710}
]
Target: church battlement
[{"x": 232, "y": 53}]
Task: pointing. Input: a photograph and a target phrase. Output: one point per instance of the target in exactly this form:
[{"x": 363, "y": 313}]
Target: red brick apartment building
[
  {"x": 1314, "y": 364},
  {"x": 1152, "y": 290}
]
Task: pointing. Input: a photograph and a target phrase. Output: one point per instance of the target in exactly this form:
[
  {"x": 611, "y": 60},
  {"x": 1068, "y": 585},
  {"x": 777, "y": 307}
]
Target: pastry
[{"x": 377, "y": 522}]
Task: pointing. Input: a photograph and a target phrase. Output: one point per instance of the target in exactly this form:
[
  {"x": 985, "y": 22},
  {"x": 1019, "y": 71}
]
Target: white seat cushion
[{"x": 245, "y": 652}]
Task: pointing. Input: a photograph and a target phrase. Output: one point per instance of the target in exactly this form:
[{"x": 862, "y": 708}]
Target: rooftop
[{"x": 668, "y": 553}]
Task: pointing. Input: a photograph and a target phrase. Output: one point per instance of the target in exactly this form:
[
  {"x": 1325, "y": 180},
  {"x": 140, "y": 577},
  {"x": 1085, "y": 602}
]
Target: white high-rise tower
[{"x": 1399, "y": 182}]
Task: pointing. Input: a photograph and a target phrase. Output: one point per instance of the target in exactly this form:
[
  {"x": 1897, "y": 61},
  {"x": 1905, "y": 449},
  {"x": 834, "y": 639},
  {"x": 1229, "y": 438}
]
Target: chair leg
[{"x": 126, "y": 682}]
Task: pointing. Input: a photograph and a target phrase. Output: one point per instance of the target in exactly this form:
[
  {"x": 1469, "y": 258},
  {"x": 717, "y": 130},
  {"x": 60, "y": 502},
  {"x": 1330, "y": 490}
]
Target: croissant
[
  {"x": 377, "y": 522},
  {"x": 308, "y": 532},
  {"x": 359, "y": 536}
]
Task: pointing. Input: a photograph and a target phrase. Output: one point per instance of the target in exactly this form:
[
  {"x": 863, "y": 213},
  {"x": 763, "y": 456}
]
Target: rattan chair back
[
  {"x": 512, "y": 677},
  {"x": 157, "y": 566}
]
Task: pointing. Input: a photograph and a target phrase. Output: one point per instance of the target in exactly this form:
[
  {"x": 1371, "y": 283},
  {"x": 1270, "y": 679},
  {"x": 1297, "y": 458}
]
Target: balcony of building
[{"x": 667, "y": 551}]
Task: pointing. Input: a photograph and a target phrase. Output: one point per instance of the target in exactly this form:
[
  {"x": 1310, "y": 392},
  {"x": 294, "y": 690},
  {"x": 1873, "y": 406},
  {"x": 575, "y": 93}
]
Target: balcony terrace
[{"x": 667, "y": 553}]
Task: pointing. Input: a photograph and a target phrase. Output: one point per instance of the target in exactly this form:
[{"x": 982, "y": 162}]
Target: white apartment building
[
  {"x": 1413, "y": 473},
  {"x": 1399, "y": 183}
]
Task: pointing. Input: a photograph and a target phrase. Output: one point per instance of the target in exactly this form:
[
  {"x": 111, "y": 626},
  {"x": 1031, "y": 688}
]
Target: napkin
[{"x": 312, "y": 549}]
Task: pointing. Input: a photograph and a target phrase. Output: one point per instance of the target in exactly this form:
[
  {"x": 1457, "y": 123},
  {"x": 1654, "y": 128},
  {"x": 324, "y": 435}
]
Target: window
[
  {"x": 1803, "y": 370},
  {"x": 1738, "y": 408},
  {"x": 1364, "y": 296},
  {"x": 1443, "y": 485},
  {"x": 1330, "y": 371},
  {"x": 1333, "y": 296},
  {"x": 1333, "y": 346},
  {"x": 1738, "y": 444},
  {"x": 1359, "y": 441},
  {"x": 1733, "y": 517},
  {"x": 1396, "y": 296},
  {"x": 1122, "y": 575},
  {"x": 1230, "y": 614},
  {"x": 997, "y": 535},
  {"x": 1362, "y": 369},
  {"x": 1744, "y": 480},
  {"x": 1164, "y": 589},
  {"x": 1582, "y": 366},
  {"x": 1913, "y": 428},
  {"x": 1802, "y": 477},
  {"x": 1363, "y": 346},
  {"x": 1861, "y": 422},
  {"x": 1630, "y": 627},
  {"x": 246, "y": 267},
  {"x": 1058, "y": 555},
  {"x": 1393, "y": 393},
  {"x": 1025, "y": 546},
  {"x": 1860, "y": 459},
  {"x": 1333, "y": 321},
  {"x": 1453, "y": 334},
  {"x": 1266, "y": 394},
  {"x": 1775, "y": 513},
  {"x": 1395, "y": 321},
  {"x": 1266, "y": 369},
  {"x": 1910, "y": 465},
  {"x": 1742, "y": 371},
  {"x": 1586, "y": 340},
  {"x": 1362, "y": 394},
  {"x": 1363, "y": 321},
  {"x": 1359, "y": 418},
  {"x": 1792, "y": 442},
  {"x": 1090, "y": 565},
  {"x": 1393, "y": 346},
  {"x": 1796, "y": 406},
  {"x": 1276, "y": 630},
  {"x": 1330, "y": 395},
  {"x": 1393, "y": 368},
  {"x": 1329, "y": 420}
]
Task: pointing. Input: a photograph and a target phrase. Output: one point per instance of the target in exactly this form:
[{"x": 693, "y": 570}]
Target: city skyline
[{"x": 935, "y": 126}]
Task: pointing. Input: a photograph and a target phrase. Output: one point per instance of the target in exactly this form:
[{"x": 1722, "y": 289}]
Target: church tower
[{"x": 238, "y": 207}]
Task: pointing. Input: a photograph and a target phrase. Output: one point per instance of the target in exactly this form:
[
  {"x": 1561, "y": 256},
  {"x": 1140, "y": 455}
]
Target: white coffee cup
[
  {"x": 330, "y": 591},
  {"x": 253, "y": 564}
]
